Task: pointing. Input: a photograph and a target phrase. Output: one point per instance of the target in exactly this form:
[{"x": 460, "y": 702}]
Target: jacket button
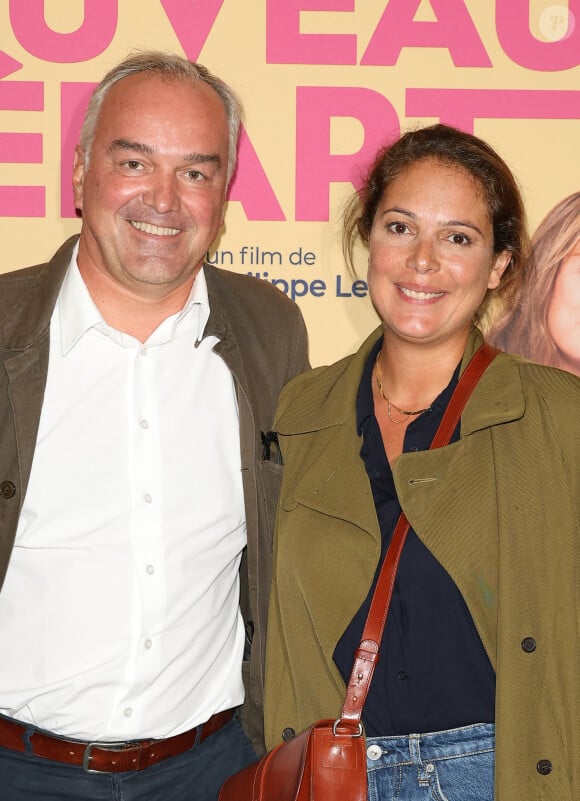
[
  {"x": 7, "y": 489},
  {"x": 544, "y": 767},
  {"x": 288, "y": 734},
  {"x": 528, "y": 645}
]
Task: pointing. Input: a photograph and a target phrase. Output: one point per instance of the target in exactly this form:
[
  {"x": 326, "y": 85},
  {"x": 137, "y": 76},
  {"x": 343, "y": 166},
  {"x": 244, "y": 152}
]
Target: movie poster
[{"x": 325, "y": 83}]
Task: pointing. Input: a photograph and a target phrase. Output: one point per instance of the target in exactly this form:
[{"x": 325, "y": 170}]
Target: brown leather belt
[{"x": 107, "y": 757}]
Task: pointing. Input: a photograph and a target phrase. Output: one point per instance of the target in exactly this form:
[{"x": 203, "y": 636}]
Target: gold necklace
[{"x": 390, "y": 404}]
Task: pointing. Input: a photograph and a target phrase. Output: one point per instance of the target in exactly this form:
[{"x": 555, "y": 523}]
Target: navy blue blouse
[{"x": 433, "y": 673}]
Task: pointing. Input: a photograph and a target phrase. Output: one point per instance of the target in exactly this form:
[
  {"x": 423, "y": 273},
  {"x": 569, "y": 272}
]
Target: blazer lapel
[
  {"x": 454, "y": 489},
  {"x": 24, "y": 349},
  {"x": 336, "y": 484}
]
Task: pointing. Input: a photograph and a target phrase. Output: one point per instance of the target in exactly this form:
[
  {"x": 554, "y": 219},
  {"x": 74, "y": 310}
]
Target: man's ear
[{"x": 78, "y": 176}]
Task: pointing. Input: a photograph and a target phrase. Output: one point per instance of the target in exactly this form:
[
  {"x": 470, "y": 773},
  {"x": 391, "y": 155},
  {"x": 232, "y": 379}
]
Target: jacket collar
[
  {"x": 328, "y": 397},
  {"x": 29, "y": 318},
  {"x": 218, "y": 323}
]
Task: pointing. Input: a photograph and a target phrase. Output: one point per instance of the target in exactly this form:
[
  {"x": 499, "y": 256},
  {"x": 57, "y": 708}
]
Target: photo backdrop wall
[{"x": 324, "y": 84}]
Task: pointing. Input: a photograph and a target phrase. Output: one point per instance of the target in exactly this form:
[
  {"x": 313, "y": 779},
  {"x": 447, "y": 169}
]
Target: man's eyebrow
[
  {"x": 140, "y": 147},
  {"x": 127, "y": 144},
  {"x": 203, "y": 158}
]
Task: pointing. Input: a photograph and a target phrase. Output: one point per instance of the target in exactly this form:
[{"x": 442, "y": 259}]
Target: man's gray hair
[{"x": 167, "y": 66}]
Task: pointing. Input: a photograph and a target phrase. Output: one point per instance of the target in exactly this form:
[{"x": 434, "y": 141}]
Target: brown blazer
[{"x": 263, "y": 342}]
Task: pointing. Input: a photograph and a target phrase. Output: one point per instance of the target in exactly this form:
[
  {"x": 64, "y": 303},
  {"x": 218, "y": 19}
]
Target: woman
[
  {"x": 544, "y": 324},
  {"x": 483, "y": 628}
]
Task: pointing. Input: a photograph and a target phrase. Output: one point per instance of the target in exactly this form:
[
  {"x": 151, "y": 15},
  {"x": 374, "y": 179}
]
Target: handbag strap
[{"x": 367, "y": 654}]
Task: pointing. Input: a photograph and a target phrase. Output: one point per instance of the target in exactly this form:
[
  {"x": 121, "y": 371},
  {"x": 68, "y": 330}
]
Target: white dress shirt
[{"x": 119, "y": 617}]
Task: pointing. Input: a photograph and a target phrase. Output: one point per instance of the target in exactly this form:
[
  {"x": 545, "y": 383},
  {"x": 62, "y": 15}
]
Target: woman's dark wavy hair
[{"x": 465, "y": 151}]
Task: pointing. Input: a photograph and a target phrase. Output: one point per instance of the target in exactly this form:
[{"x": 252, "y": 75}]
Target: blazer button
[
  {"x": 7, "y": 489},
  {"x": 288, "y": 734},
  {"x": 528, "y": 645},
  {"x": 544, "y": 767}
]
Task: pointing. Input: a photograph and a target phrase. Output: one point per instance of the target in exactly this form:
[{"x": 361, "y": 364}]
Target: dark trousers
[{"x": 196, "y": 775}]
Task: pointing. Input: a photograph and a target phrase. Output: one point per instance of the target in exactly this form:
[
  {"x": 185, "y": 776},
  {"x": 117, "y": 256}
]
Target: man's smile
[{"x": 148, "y": 228}]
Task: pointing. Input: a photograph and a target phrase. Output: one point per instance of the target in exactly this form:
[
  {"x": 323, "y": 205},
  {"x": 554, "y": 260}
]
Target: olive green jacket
[
  {"x": 499, "y": 509},
  {"x": 262, "y": 339}
]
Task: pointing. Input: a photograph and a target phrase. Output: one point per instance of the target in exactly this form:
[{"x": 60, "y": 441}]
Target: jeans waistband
[{"x": 420, "y": 748}]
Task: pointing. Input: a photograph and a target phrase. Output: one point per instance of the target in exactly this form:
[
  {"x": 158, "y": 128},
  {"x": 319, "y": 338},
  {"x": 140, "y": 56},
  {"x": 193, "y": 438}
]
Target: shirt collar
[
  {"x": 364, "y": 402},
  {"x": 78, "y": 313}
]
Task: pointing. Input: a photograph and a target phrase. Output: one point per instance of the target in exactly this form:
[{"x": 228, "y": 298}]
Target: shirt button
[
  {"x": 414, "y": 449},
  {"x": 374, "y": 752},
  {"x": 544, "y": 767},
  {"x": 528, "y": 645},
  {"x": 7, "y": 489},
  {"x": 288, "y": 734},
  {"x": 143, "y": 352},
  {"x": 128, "y": 712},
  {"x": 144, "y": 424},
  {"x": 430, "y": 767},
  {"x": 150, "y": 569},
  {"x": 148, "y": 497},
  {"x": 148, "y": 643},
  {"x": 403, "y": 676}
]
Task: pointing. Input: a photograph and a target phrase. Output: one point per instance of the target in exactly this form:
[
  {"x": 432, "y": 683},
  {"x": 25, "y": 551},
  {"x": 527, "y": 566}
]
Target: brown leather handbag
[{"x": 328, "y": 760}]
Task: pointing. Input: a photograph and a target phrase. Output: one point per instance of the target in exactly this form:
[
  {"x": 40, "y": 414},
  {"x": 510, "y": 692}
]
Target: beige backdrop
[{"x": 323, "y": 82}]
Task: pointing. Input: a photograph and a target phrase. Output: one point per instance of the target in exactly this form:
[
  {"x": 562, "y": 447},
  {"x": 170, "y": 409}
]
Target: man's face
[{"x": 152, "y": 195}]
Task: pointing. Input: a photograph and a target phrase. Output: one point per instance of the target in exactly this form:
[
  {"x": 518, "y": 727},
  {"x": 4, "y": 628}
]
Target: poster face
[
  {"x": 325, "y": 83},
  {"x": 544, "y": 324}
]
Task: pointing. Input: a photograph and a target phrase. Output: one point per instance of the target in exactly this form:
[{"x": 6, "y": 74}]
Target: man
[{"x": 137, "y": 389}]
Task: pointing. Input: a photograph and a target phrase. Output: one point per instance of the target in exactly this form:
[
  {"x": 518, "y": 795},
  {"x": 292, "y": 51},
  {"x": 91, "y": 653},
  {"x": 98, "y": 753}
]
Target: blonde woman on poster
[{"x": 544, "y": 325}]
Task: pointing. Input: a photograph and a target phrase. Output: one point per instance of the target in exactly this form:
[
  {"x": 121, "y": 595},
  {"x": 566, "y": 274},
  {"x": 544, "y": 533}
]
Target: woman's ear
[{"x": 498, "y": 268}]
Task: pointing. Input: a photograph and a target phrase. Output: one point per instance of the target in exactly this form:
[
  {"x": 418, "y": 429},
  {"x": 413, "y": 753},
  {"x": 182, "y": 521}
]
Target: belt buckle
[{"x": 105, "y": 746}]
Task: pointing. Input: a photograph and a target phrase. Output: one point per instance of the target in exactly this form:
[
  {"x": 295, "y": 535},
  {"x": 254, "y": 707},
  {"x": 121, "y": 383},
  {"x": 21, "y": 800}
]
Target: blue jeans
[
  {"x": 196, "y": 775},
  {"x": 453, "y": 765}
]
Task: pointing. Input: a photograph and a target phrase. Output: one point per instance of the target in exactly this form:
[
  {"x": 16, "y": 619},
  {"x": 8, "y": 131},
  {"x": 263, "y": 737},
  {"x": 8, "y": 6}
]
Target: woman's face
[
  {"x": 431, "y": 254},
  {"x": 564, "y": 311}
]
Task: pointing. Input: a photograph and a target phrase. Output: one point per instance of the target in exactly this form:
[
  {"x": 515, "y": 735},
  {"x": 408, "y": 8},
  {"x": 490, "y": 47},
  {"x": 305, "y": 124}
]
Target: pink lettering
[
  {"x": 74, "y": 99},
  {"x": 513, "y": 32},
  {"x": 20, "y": 148},
  {"x": 18, "y": 95},
  {"x": 460, "y": 107},
  {"x": 21, "y": 96},
  {"x": 454, "y": 30},
  {"x": 20, "y": 201},
  {"x": 286, "y": 45},
  {"x": 251, "y": 186},
  {"x": 192, "y": 21},
  {"x": 90, "y": 40},
  {"x": 8, "y": 65},
  {"x": 316, "y": 167}
]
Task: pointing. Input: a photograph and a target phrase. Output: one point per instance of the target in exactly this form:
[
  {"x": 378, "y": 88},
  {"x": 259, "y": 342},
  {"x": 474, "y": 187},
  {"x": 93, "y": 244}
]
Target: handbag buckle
[{"x": 338, "y": 721}]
